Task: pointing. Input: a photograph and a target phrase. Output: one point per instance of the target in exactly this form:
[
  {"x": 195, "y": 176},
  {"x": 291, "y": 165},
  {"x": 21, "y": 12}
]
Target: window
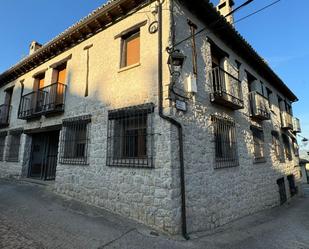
[
  {"x": 2, "y": 144},
  {"x": 238, "y": 65},
  {"x": 269, "y": 96},
  {"x": 295, "y": 147},
  {"x": 258, "y": 142},
  {"x": 276, "y": 145},
  {"x": 217, "y": 54},
  {"x": 13, "y": 146},
  {"x": 75, "y": 140},
  {"x": 287, "y": 147},
  {"x": 225, "y": 143},
  {"x": 130, "y": 53},
  {"x": 288, "y": 108},
  {"x": 251, "y": 79},
  {"x": 130, "y": 137}
]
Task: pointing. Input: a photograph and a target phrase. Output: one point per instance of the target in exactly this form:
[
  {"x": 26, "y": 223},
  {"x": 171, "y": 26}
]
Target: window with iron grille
[
  {"x": 12, "y": 154},
  {"x": 226, "y": 154},
  {"x": 276, "y": 145},
  {"x": 130, "y": 137},
  {"x": 287, "y": 147},
  {"x": 2, "y": 144},
  {"x": 258, "y": 143},
  {"x": 74, "y": 140}
]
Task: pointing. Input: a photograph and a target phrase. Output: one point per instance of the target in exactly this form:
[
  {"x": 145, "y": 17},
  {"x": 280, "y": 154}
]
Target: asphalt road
[{"x": 32, "y": 217}]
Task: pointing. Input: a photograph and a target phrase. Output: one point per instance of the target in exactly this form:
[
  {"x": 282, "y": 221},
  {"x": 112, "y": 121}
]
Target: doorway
[
  {"x": 282, "y": 192},
  {"x": 44, "y": 154}
]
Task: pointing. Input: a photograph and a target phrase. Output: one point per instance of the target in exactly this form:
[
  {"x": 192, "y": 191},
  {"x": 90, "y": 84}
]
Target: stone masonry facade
[{"x": 152, "y": 195}]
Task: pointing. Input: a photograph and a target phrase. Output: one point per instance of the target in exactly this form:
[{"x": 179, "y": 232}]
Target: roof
[
  {"x": 233, "y": 39},
  {"x": 115, "y": 10}
]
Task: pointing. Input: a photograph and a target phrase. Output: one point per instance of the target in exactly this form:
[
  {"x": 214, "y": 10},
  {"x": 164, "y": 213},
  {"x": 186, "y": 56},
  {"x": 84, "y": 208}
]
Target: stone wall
[
  {"x": 152, "y": 196},
  {"x": 146, "y": 195},
  {"x": 218, "y": 196}
]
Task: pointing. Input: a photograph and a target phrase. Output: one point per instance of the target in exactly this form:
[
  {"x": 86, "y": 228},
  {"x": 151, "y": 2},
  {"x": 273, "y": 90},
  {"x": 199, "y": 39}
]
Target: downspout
[{"x": 172, "y": 121}]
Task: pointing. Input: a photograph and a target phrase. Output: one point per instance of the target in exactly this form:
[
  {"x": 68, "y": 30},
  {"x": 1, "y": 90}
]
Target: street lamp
[{"x": 175, "y": 62}]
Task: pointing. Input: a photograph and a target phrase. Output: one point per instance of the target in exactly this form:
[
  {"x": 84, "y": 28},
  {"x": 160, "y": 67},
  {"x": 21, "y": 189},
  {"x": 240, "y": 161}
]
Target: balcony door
[
  {"x": 8, "y": 96},
  {"x": 5, "y": 108},
  {"x": 61, "y": 80},
  {"x": 39, "y": 95}
]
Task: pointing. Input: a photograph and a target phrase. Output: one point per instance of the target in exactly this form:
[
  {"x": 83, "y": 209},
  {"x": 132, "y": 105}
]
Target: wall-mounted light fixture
[{"x": 175, "y": 62}]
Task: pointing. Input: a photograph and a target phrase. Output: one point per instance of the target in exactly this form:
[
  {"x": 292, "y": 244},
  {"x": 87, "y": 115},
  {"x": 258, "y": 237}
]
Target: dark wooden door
[
  {"x": 44, "y": 155},
  {"x": 282, "y": 191}
]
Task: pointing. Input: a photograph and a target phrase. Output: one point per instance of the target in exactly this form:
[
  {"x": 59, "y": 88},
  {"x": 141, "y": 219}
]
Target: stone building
[{"x": 156, "y": 110}]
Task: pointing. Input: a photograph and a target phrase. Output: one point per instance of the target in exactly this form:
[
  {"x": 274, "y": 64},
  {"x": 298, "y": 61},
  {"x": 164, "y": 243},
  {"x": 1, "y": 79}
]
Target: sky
[{"x": 280, "y": 34}]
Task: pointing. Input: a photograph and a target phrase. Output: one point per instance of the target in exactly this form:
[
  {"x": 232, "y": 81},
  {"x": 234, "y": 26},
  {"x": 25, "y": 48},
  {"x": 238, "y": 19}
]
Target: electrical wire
[{"x": 214, "y": 23}]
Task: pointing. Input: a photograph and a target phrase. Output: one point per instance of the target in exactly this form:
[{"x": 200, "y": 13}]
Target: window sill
[
  {"x": 259, "y": 160},
  {"x": 12, "y": 161},
  {"x": 123, "y": 69},
  {"x": 131, "y": 163},
  {"x": 73, "y": 161}
]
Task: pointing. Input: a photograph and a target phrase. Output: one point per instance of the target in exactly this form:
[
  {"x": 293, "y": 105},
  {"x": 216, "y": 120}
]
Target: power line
[
  {"x": 214, "y": 23},
  {"x": 255, "y": 12}
]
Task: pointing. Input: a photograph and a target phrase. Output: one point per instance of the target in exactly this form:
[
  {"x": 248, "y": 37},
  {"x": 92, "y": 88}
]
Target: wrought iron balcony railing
[
  {"x": 225, "y": 89},
  {"x": 259, "y": 106},
  {"x": 286, "y": 120},
  {"x": 5, "y": 111},
  {"x": 44, "y": 101},
  {"x": 296, "y": 125}
]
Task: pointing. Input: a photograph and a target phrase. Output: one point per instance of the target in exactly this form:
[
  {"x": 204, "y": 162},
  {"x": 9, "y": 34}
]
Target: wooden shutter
[
  {"x": 61, "y": 78},
  {"x": 41, "y": 83},
  {"x": 61, "y": 75},
  {"x": 133, "y": 49}
]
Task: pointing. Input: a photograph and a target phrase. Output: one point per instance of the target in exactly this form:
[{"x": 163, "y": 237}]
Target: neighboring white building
[
  {"x": 304, "y": 170},
  {"x": 181, "y": 139}
]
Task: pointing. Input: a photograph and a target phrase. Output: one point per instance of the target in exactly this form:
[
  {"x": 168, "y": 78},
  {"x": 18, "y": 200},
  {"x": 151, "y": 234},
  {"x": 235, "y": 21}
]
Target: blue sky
[{"x": 280, "y": 34}]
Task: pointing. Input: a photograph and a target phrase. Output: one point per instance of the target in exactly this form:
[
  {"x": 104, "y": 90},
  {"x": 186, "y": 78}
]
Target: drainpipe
[{"x": 172, "y": 121}]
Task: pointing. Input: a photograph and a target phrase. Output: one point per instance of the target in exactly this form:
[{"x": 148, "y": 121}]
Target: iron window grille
[
  {"x": 276, "y": 144},
  {"x": 258, "y": 143},
  {"x": 287, "y": 147},
  {"x": 226, "y": 154},
  {"x": 130, "y": 137},
  {"x": 12, "y": 154},
  {"x": 2, "y": 144},
  {"x": 74, "y": 141}
]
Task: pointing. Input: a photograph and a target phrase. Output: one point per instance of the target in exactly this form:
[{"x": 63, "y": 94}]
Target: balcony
[
  {"x": 45, "y": 101},
  {"x": 4, "y": 115},
  {"x": 259, "y": 106},
  {"x": 225, "y": 89},
  {"x": 286, "y": 120},
  {"x": 296, "y": 125}
]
